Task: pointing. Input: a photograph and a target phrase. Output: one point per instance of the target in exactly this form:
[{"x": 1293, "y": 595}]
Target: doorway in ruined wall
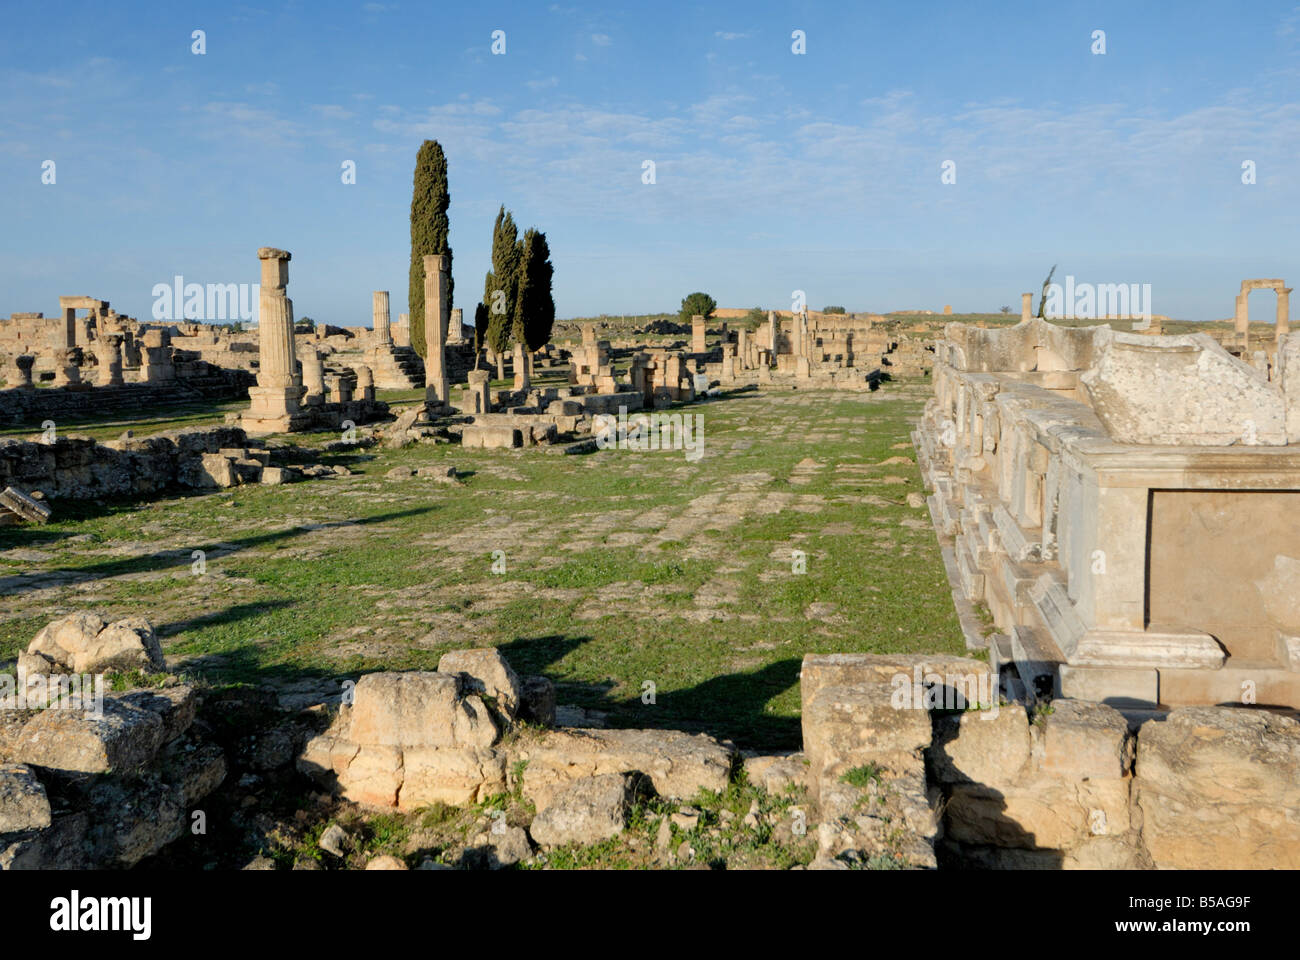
[{"x": 1212, "y": 566}]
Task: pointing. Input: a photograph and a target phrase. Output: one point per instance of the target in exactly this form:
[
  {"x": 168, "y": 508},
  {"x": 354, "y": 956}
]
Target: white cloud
[{"x": 601, "y": 39}]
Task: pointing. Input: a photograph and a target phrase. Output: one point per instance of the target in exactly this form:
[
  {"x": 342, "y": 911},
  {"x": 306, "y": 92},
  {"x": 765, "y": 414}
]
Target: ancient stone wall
[{"x": 1070, "y": 468}]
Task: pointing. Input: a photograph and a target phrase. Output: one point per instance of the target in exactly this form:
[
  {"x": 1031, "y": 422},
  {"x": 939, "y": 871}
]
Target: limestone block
[
  {"x": 491, "y": 437},
  {"x": 678, "y": 764},
  {"x": 777, "y": 774},
  {"x": 1183, "y": 390},
  {"x": 125, "y": 737},
  {"x": 83, "y": 643},
  {"x": 856, "y": 725},
  {"x": 981, "y": 746},
  {"x": 419, "y": 709},
  {"x": 1219, "y": 788},
  {"x": 23, "y": 803},
  {"x": 1086, "y": 740},
  {"x": 454, "y": 776},
  {"x": 484, "y": 671},
  {"x": 588, "y": 810}
]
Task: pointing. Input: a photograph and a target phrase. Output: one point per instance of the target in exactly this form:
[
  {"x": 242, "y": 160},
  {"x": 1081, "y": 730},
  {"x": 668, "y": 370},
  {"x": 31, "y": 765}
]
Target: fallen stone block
[
  {"x": 585, "y": 811},
  {"x": 83, "y": 643},
  {"x": 20, "y": 505},
  {"x": 124, "y": 738},
  {"x": 23, "y": 803},
  {"x": 485, "y": 672},
  {"x": 678, "y": 764}
]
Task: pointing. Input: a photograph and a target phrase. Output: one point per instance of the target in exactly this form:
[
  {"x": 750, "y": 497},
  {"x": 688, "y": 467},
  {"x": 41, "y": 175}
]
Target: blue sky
[{"x": 774, "y": 171}]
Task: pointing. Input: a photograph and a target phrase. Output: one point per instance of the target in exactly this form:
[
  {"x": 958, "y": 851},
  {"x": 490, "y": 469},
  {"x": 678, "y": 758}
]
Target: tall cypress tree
[
  {"x": 480, "y": 330},
  {"x": 536, "y": 311},
  {"x": 429, "y": 228},
  {"x": 501, "y": 290}
]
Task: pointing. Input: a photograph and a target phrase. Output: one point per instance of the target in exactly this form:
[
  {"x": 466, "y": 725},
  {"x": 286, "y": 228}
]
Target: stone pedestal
[
  {"x": 365, "y": 382},
  {"x": 522, "y": 380},
  {"x": 478, "y": 396}
]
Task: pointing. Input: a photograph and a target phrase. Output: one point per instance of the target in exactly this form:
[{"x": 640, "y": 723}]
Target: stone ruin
[
  {"x": 939, "y": 776},
  {"x": 1127, "y": 506},
  {"x": 292, "y": 396}
]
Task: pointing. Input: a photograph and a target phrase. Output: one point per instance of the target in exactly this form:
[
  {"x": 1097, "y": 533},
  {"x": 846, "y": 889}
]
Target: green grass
[{"x": 622, "y": 568}]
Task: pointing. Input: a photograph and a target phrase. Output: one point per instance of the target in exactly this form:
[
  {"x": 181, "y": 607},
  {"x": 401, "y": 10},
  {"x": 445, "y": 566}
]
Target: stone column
[
  {"x": 1026, "y": 306},
  {"x": 68, "y": 335},
  {"x": 365, "y": 382},
  {"x": 340, "y": 390},
  {"x": 24, "y": 363},
  {"x": 742, "y": 347},
  {"x": 456, "y": 326},
  {"x": 1283, "y": 313},
  {"x": 313, "y": 377},
  {"x": 402, "y": 332},
  {"x": 698, "y": 334},
  {"x": 773, "y": 331},
  {"x": 796, "y": 334},
  {"x": 435, "y": 325},
  {"x": 108, "y": 348},
  {"x": 276, "y": 400},
  {"x": 479, "y": 397},
  {"x": 67, "y": 372},
  {"x": 382, "y": 319},
  {"x": 520, "y": 366}
]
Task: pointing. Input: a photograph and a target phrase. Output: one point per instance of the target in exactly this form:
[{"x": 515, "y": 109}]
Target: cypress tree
[
  {"x": 429, "y": 228},
  {"x": 501, "y": 289},
  {"x": 536, "y": 313},
  {"x": 480, "y": 330}
]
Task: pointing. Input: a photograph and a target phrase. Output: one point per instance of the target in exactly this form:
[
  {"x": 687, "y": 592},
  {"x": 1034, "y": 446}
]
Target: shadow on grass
[{"x": 168, "y": 559}]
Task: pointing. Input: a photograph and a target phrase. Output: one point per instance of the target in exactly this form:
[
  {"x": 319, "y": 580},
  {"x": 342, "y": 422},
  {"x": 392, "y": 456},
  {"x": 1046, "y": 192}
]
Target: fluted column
[
  {"x": 383, "y": 321},
  {"x": 108, "y": 349},
  {"x": 275, "y": 321}
]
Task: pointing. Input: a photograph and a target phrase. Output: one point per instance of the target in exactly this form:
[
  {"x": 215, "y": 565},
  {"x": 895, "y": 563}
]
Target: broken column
[
  {"x": 698, "y": 343},
  {"x": 365, "y": 382},
  {"x": 478, "y": 397},
  {"x": 67, "y": 370},
  {"x": 382, "y": 319},
  {"x": 796, "y": 335},
  {"x": 1283, "y": 313},
  {"x": 742, "y": 348},
  {"x": 313, "y": 376},
  {"x": 1026, "y": 306},
  {"x": 108, "y": 349},
  {"x": 156, "y": 357},
  {"x": 276, "y": 399},
  {"x": 435, "y": 305},
  {"x": 24, "y": 362},
  {"x": 522, "y": 381}
]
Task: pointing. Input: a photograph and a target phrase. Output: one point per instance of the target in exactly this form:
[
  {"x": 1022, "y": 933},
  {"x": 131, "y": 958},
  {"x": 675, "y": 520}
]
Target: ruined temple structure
[{"x": 1128, "y": 508}]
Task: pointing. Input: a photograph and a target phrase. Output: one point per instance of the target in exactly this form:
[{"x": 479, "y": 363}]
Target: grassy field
[{"x": 622, "y": 569}]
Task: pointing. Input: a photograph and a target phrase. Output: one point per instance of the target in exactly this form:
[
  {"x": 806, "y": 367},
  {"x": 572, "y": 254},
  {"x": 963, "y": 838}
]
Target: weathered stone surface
[
  {"x": 408, "y": 740},
  {"x": 777, "y": 774},
  {"x": 1219, "y": 787},
  {"x": 854, "y": 725},
  {"x": 125, "y": 737},
  {"x": 585, "y": 811},
  {"x": 485, "y": 672},
  {"x": 84, "y": 643},
  {"x": 678, "y": 764},
  {"x": 386, "y": 862},
  {"x": 1183, "y": 390},
  {"x": 23, "y": 803},
  {"x": 419, "y": 709},
  {"x": 981, "y": 746},
  {"x": 1086, "y": 740}
]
